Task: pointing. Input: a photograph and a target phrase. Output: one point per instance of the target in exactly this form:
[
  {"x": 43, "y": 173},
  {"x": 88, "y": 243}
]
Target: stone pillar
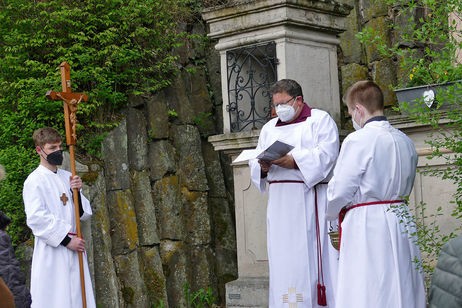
[{"x": 305, "y": 34}]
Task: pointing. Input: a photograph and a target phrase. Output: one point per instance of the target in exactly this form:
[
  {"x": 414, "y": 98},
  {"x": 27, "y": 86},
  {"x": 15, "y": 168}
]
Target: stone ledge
[
  {"x": 248, "y": 15},
  {"x": 247, "y": 292},
  {"x": 232, "y": 143}
]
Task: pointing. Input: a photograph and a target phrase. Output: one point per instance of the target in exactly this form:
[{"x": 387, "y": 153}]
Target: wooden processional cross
[{"x": 71, "y": 100}]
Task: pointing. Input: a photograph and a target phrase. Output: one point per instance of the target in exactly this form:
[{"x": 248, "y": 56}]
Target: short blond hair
[
  {"x": 366, "y": 93},
  {"x": 46, "y": 135}
]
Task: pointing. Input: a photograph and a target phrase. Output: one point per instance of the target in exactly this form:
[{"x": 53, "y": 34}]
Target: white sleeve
[
  {"x": 316, "y": 163},
  {"x": 40, "y": 220},
  {"x": 87, "y": 212},
  {"x": 351, "y": 165},
  {"x": 255, "y": 169}
]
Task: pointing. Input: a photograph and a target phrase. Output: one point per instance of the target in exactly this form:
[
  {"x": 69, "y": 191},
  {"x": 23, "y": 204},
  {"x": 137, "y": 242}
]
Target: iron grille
[{"x": 251, "y": 72}]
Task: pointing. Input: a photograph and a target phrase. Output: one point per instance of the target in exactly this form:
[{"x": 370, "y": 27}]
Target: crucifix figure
[{"x": 71, "y": 100}]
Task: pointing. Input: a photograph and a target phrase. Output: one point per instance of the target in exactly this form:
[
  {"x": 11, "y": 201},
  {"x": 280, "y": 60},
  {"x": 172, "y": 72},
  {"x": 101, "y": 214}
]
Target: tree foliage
[{"x": 114, "y": 47}]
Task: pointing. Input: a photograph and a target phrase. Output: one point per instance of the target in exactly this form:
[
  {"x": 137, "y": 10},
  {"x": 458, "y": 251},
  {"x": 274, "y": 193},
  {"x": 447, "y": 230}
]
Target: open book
[{"x": 277, "y": 150}]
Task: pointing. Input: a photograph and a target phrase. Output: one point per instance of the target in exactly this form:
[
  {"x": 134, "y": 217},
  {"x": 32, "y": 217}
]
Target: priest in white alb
[
  {"x": 373, "y": 177},
  {"x": 302, "y": 263},
  {"x": 48, "y": 202}
]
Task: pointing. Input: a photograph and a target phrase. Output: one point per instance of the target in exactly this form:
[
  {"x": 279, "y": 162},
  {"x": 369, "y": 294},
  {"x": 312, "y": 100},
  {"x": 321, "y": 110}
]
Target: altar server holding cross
[{"x": 54, "y": 207}]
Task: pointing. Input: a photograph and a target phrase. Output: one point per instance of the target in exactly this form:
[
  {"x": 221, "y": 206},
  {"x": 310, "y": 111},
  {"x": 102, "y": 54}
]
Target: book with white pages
[{"x": 277, "y": 150}]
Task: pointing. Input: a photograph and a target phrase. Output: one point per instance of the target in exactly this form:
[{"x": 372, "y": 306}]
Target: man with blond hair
[{"x": 372, "y": 180}]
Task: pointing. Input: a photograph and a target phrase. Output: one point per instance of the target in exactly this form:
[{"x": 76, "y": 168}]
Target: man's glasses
[{"x": 285, "y": 103}]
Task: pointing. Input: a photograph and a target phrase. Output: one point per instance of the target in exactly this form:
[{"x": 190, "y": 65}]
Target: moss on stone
[
  {"x": 128, "y": 294},
  {"x": 155, "y": 284},
  {"x": 89, "y": 177}
]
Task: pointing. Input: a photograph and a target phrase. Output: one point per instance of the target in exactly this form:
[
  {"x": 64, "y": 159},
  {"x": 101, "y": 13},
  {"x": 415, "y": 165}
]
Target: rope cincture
[
  {"x": 344, "y": 210},
  {"x": 321, "y": 288}
]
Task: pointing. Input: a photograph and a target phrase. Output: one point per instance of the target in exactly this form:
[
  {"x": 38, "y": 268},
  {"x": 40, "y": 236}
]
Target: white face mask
[
  {"x": 356, "y": 125},
  {"x": 285, "y": 112}
]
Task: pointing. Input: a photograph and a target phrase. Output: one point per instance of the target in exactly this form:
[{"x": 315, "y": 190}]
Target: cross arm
[{"x": 56, "y": 96}]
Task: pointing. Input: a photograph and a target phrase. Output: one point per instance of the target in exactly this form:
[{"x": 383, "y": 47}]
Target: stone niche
[{"x": 305, "y": 36}]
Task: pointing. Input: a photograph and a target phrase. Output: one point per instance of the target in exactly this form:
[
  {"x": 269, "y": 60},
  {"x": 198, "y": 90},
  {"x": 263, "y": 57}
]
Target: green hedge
[{"x": 114, "y": 48}]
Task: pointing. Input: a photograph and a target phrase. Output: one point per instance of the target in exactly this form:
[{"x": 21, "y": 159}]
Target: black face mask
[{"x": 55, "y": 158}]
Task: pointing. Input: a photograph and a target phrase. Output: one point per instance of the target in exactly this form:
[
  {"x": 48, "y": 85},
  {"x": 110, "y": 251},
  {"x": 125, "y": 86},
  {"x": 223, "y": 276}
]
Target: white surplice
[
  {"x": 377, "y": 253},
  {"x": 55, "y": 278},
  {"x": 291, "y": 229}
]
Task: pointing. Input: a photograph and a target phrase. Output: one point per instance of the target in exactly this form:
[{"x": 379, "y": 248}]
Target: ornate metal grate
[{"x": 251, "y": 72}]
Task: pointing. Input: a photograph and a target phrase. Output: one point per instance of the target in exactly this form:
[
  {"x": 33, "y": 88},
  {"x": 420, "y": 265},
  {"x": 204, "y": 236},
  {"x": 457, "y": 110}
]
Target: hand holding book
[{"x": 275, "y": 151}]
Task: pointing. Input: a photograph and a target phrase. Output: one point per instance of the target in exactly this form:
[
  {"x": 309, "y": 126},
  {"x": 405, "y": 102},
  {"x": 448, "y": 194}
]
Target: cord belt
[{"x": 345, "y": 210}]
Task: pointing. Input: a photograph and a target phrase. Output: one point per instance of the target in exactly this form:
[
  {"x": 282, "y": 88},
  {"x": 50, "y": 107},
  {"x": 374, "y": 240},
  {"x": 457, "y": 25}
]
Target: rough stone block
[
  {"x": 352, "y": 73},
  {"x": 169, "y": 210},
  {"x": 191, "y": 47},
  {"x": 144, "y": 208},
  {"x": 224, "y": 239},
  {"x": 223, "y": 224},
  {"x": 401, "y": 25},
  {"x": 213, "y": 171},
  {"x": 378, "y": 25},
  {"x": 132, "y": 284},
  {"x": 191, "y": 164},
  {"x": 350, "y": 45},
  {"x": 178, "y": 100},
  {"x": 161, "y": 159},
  {"x": 157, "y": 116},
  {"x": 106, "y": 282},
  {"x": 175, "y": 266},
  {"x": 124, "y": 230},
  {"x": 196, "y": 85},
  {"x": 154, "y": 279},
  {"x": 185, "y": 51},
  {"x": 115, "y": 156},
  {"x": 214, "y": 72},
  {"x": 383, "y": 73},
  {"x": 197, "y": 217},
  {"x": 135, "y": 100},
  {"x": 202, "y": 265},
  {"x": 137, "y": 140},
  {"x": 373, "y": 8}
]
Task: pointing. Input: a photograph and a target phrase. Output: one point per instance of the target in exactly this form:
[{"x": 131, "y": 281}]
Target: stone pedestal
[
  {"x": 251, "y": 289},
  {"x": 305, "y": 37},
  {"x": 305, "y": 33}
]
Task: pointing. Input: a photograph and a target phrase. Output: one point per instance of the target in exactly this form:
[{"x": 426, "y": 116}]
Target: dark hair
[
  {"x": 366, "y": 93},
  {"x": 287, "y": 85},
  {"x": 46, "y": 135},
  {"x": 4, "y": 221}
]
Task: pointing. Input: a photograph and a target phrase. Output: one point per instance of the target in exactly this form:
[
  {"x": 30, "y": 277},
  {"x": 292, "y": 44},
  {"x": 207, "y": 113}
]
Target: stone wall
[
  {"x": 163, "y": 213},
  {"x": 359, "y": 62}
]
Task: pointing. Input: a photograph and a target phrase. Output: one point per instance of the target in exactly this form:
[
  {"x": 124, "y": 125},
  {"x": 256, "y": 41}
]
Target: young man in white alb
[
  {"x": 372, "y": 179},
  {"x": 47, "y": 194}
]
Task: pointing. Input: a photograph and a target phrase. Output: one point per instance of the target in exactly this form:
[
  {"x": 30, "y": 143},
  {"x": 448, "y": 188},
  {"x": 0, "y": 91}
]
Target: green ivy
[{"x": 114, "y": 47}]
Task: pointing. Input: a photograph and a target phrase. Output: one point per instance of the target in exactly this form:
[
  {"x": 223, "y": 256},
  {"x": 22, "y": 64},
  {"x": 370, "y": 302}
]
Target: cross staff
[{"x": 71, "y": 100}]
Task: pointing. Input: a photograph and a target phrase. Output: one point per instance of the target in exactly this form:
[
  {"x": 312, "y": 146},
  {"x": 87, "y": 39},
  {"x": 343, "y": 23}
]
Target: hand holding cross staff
[{"x": 71, "y": 100}]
